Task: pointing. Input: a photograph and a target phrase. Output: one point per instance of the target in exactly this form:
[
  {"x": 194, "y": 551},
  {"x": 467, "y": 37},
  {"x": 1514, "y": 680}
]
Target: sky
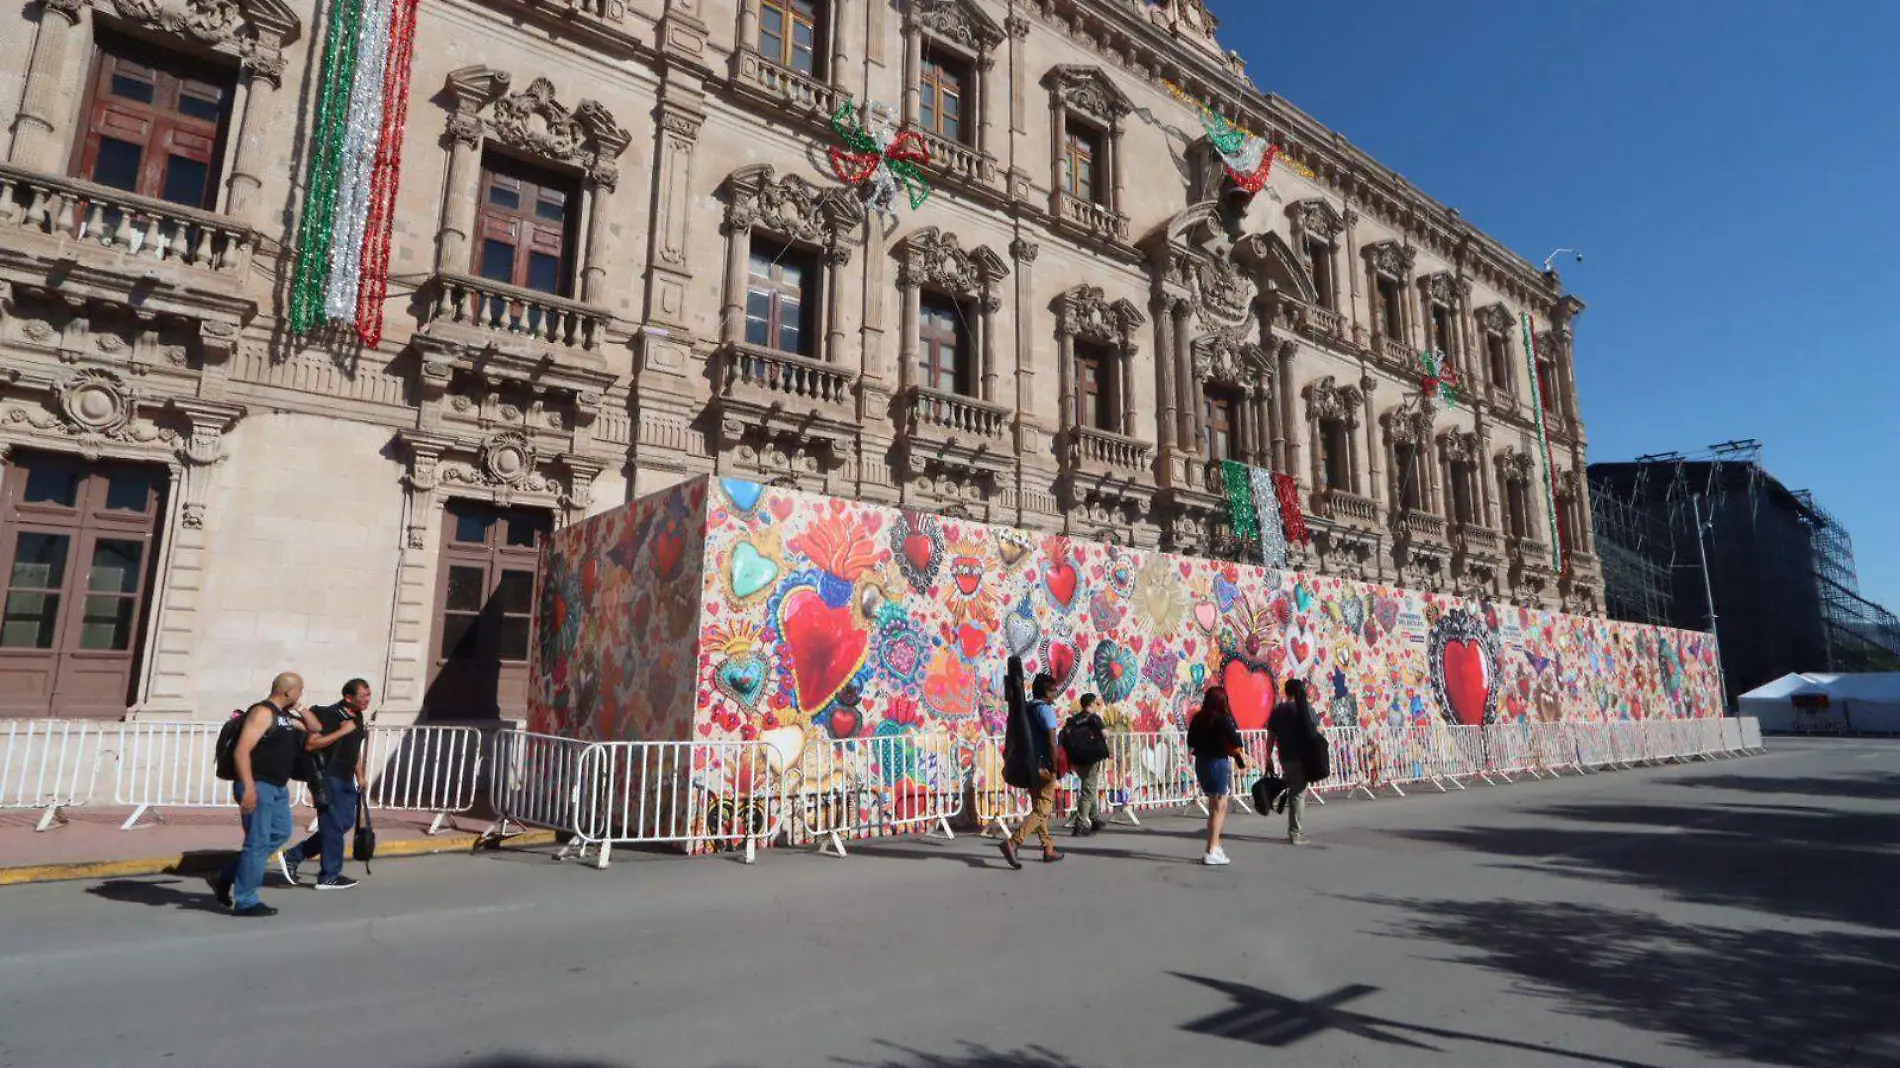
[{"x": 1729, "y": 168}]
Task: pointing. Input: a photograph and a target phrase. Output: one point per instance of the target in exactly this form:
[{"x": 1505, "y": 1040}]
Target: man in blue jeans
[
  {"x": 266, "y": 758},
  {"x": 341, "y": 741}
]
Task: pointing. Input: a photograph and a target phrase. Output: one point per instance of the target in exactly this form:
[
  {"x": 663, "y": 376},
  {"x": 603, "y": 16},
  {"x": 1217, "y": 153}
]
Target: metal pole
[{"x": 1708, "y": 592}]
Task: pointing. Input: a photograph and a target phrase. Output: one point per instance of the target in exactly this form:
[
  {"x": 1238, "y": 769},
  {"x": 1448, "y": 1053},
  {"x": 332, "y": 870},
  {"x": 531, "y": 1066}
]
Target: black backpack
[
  {"x": 1083, "y": 740},
  {"x": 1318, "y": 764},
  {"x": 227, "y": 745},
  {"x": 1020, "y": 764}
]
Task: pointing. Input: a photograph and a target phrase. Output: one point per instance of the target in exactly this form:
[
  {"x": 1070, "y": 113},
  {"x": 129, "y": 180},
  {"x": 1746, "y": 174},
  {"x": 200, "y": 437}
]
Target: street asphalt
[{"x": 1732, "y": 912}]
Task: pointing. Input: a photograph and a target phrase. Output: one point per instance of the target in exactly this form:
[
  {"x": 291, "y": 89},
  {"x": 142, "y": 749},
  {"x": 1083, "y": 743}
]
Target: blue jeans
[
  {"x": 334, "y": 824},
  {"x": 265, "y": 830}
]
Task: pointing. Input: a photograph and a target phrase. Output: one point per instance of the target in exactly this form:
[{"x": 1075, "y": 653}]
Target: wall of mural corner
[{"x": 726, "y": 609}]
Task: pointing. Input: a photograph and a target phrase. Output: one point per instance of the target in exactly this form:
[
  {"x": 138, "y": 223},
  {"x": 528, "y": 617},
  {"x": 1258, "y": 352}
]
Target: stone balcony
[
  {"x": 1474, "y": 540},
  {"x": 1393, "y": 352},
  {"x": 1109, "y": 455},
  {"x": 950, "y": 430},
  {"x": 483, "y": 315},
  {"x": 766, "y": 394},
  {"x": 963, "y": 166},
  {"x": 1107, "y": 478},
  {"x": 1346, "y": 508},
  {"x": 797, "y": 94},
  {"x": 90, "y": 243},
  {"x": 1310, "y": 321},
  {"x": 1418, "y": 525},
  {"x": 1092, "y": 220}
]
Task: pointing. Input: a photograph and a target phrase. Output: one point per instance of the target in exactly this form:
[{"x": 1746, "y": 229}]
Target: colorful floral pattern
[{"x": 823, "y": 618}]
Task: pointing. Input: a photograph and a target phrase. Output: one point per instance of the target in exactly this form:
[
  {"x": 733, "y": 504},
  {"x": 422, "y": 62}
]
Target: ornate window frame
[
  {"x": 96, "y": 414},
  {"x": 966, "y": 30},
  {"x": 1328, "y": 401},
  {"x": 792, "y": 210},
  {"x": 1085, "y": 313},
  {"x": 1461, "y": 452},
  {"x": 1495, "y": 320},
  {"x": 535, "y": 126},
  {"x": 1391, "y": 260},
  {"x": 1087, "y": 95},
  {"x": 1411, "y": 426},
  {"x": 1453, "y": 293},
  {"x": 1317, "y": 221},
  {"x": 1517, "y": 470},
  {"x": 934, "y": 260}
]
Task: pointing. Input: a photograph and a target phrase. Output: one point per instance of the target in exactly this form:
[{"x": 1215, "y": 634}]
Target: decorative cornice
[
  {"x": 1085, "y": 312},
  {"x": 1087, "y": 90},
  {"x": 793, "y": 208},
  {"x": 935, "y": 259}
]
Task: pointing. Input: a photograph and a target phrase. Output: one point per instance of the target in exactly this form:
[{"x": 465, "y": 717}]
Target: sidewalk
[{"x": 90, "y": 844}]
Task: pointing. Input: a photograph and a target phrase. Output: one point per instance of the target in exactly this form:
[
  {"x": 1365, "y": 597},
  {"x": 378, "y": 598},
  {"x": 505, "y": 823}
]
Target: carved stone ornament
[
  {"x": 1316, "y": 219},
  {"x": 1024, "y": 250},
  {"x": 507, "y": 459},
  {"x": 1516, "y": 465},
  {"x": 1443, "y": 288},
  {"x": 1569, "y": 483},
  {"x": 1496, "y": 319},
  {"x": 1223, "y": 293},
  {"x": 1194, "y": 253},
  {"x": 1088, "y": 91},
  {"x": 959, "y": 22},
  {"x": 936, "y": 260},
  {"x": 1227, "y": 357},
  {"x": 254, "y": 30},
  {"x": 1549, "y": 345},
  {"x": 1460, "y": 446},
  {"x": 1408, "y": 426},
  {"x": 97, "y": 402},
  {"x": 535, "y": 122},
  {"x": 1390, "y": 258},
  {"x": 792, "y": 207},
  {"x": 1326, "y": 399},
  {"x": 1085, "y": 312}
]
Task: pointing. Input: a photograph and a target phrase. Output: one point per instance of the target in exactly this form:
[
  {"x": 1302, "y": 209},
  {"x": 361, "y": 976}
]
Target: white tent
[{"x": 1865, "y": 703}]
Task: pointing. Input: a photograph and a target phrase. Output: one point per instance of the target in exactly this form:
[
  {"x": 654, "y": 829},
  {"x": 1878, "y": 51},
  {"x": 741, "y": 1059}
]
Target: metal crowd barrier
[
  {"x": 174, "y": 765},
  {"x": 701, "y": 795},
  {"x": 534, "y": 781},
  {"x": 994, "y": 801},
  {"x": 871, "y": 787},
  {"x": 424, "y": 769},
  {"x": 50, "y": 765}
]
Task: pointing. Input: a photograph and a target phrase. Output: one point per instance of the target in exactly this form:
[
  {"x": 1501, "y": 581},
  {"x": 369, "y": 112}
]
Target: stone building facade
[{"x": 620, "y": 260}]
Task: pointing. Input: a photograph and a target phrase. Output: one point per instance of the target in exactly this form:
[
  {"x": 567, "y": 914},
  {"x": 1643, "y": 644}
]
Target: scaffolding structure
[
  {"x": 1637, "y": 552},
  {"x": 1861, "y": 635}
]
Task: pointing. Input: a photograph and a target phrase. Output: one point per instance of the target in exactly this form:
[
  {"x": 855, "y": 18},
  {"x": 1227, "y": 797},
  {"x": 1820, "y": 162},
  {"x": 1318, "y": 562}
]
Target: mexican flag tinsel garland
[
  {"x": 1239, "y": 486},
  {"x": 1543, "y": 445},
  {"x": 1267, "y": 508},
  {"x": 1292, "y": 516},
  {"x": 342, "y": 266}
]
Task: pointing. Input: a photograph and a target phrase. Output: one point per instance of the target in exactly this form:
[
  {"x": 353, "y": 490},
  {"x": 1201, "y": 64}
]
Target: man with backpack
[
  {"x": 259, "y": 753},
  {"x": 1085, "y": 740},
  {"x": 340, "y": 743},
  {"x": 1042, "y": 782},
  {"x": 1303, "y": 755}
]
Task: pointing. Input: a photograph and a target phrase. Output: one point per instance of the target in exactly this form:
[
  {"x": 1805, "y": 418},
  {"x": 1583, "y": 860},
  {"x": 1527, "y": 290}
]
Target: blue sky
[{"x": 1730, "y": 168}]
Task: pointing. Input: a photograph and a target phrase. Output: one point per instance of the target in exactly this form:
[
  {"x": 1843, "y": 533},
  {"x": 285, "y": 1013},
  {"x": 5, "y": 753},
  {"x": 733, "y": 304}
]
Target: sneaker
[
  {"x": 336, "y": 882},
  {"x": 1215, "y": 859},
  {"x": 1052, "y": 857},
  {"x": 1009, "y": 854},
  {"x": 1095, "y": 826},
  {"x": 289, "y": 868},
  {"x": 258, "y": 909},
  {"x": 1296, "y": 839},
  {"x": 221, "y": 890}
]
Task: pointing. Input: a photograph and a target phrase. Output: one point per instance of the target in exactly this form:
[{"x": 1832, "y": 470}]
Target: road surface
[{"x": 1737, "y": 912}]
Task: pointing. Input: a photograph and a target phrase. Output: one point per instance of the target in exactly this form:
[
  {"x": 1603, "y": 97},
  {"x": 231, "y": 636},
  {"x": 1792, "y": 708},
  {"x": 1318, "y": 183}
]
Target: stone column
[
  {"x": 732, "y": 311},
  {"x": 1586, "y": 523},
  {"x": 242, "y": 201},
  {"x": 1189, "y": 414},
  {"x": 1169, "y": 403},
  {"x": 836, "y": 260},
  {"x": 986, "y": 98},
  {"x": 1487, "y": 491},
  {"x": 1126, "y": 385},
  {"x": 913, "y": 71},
  {"x": 1355, "y": 462},
  {"x": 38, "y": 142},
  {"x": 991, "y": 304},
  {"x": 1065, "y": 380},
  {"x": 1291, "y": 424},
  {"x": 1375, "y": 482},
  {"x": 463, "y": 190},
  {"x": 600, "y": 187},
  {"x": 1115, "y": 168},
  {"x": 749, "y": 26},
  {"x": 907, "y": 334},
  {"x": 1434, "y": 487}
]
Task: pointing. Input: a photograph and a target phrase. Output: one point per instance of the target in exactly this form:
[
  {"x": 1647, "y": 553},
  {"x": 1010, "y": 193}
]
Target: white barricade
[
  {"x": 1257, "y": 745},
  {"x": 1552, "y": 749},
  {"x": 1351, "y": 761},
  {"x": 1148, "y": 771},
  {"x": 1751, "y": 734},
  {"x": 424, "y": 769},
  {"x": 871, "y": 787},
  {"x": 534, "y": 781},
  {"x": 1418, "y": 753},
  {"x": 995, "y": 802},
  {"x": 704, "y": 796},
  {"x": 174, "y": 765},
  {"x": 49, "y": 765},
  {"x": 1732, "y": 735},
  {"x": 1509, "y": 748},
  {"x": 1594, "y": 748}
]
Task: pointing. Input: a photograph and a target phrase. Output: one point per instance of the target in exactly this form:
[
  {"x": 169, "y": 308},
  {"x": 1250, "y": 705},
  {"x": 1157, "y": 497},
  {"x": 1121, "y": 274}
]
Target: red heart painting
[
  {"x": 1061, "y": 662},
  {"x": 822, "y": 647},
  {"x": 918, "y": 550},
  {"x": 668, "y": 545},
  {"x": 972, "y": 641},
  {"x": 1249, "y": 694},
  {"x": 1061, "y": 580},
  {"x": 1467, "y": 681}
]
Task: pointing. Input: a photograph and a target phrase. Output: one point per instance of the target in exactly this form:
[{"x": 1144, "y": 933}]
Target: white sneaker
[{"x": 1215, "y": 859}]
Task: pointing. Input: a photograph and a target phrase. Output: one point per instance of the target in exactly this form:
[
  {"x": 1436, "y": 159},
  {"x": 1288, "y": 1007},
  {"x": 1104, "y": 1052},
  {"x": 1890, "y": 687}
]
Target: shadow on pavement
[
  {"x": 1868, "y": 787},
  {"x": 971, "y": 1055},
  {"x": 1262, "y": 1018},
  {"x": 195, "y": 897},
  {"x": 1803, "y": 999},
  {"x": 1821, "y": 864}
]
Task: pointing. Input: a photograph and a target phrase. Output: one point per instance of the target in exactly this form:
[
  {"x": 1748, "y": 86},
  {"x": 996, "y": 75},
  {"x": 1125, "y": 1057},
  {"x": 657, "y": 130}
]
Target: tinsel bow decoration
[
  {"x": 1439, "y": 380},
  {"x": 879, "y": 156},
  {"x": 1248, "y": 159}
]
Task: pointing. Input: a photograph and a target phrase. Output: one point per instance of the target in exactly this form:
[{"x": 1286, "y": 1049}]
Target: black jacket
[
  {"x": 1213, "y": 736},
  {"x": 1291, "y": 731}
]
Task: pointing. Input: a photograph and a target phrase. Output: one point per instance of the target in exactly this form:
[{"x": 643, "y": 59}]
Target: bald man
[{"x": 266, "y": 758}]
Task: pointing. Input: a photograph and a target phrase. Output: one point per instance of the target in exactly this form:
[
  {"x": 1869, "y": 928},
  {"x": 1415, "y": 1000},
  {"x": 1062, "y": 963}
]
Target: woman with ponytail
[
  {"x": 1293, "y": 728},
  {"x": 1214, "y": 739}
]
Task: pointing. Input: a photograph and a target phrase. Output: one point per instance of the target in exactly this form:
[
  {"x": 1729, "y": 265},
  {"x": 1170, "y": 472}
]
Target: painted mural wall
[
  {"x": 617, "y": 637},
  {"x": 834, "y": 618}
]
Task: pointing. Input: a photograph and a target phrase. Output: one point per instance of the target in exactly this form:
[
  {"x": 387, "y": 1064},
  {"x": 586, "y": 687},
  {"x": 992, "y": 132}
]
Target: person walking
[
  {"x": 1293, "y": 728},
  {"x": 1042, "y": 719},
  {"x": 1214, "y": 739},
  {"x": 1085, "y": 740},
  {"x": 265, "y": 757},
  {"x": 344, "y": 726}
]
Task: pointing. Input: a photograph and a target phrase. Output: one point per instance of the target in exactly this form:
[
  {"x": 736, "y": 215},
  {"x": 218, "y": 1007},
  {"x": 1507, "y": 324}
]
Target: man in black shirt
[
  {"x": 265, "y": 758},
  {"x": 341, "y": 742}
]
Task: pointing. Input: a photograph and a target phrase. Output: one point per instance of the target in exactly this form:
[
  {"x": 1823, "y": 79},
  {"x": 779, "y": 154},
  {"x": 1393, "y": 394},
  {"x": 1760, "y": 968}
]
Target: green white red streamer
[
  {"x": 1543, "y": 445},
  {"x": 1440, "y": 378},
  {"x": 342, "y": 256},
  {"x": 879, "y": 157}
]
